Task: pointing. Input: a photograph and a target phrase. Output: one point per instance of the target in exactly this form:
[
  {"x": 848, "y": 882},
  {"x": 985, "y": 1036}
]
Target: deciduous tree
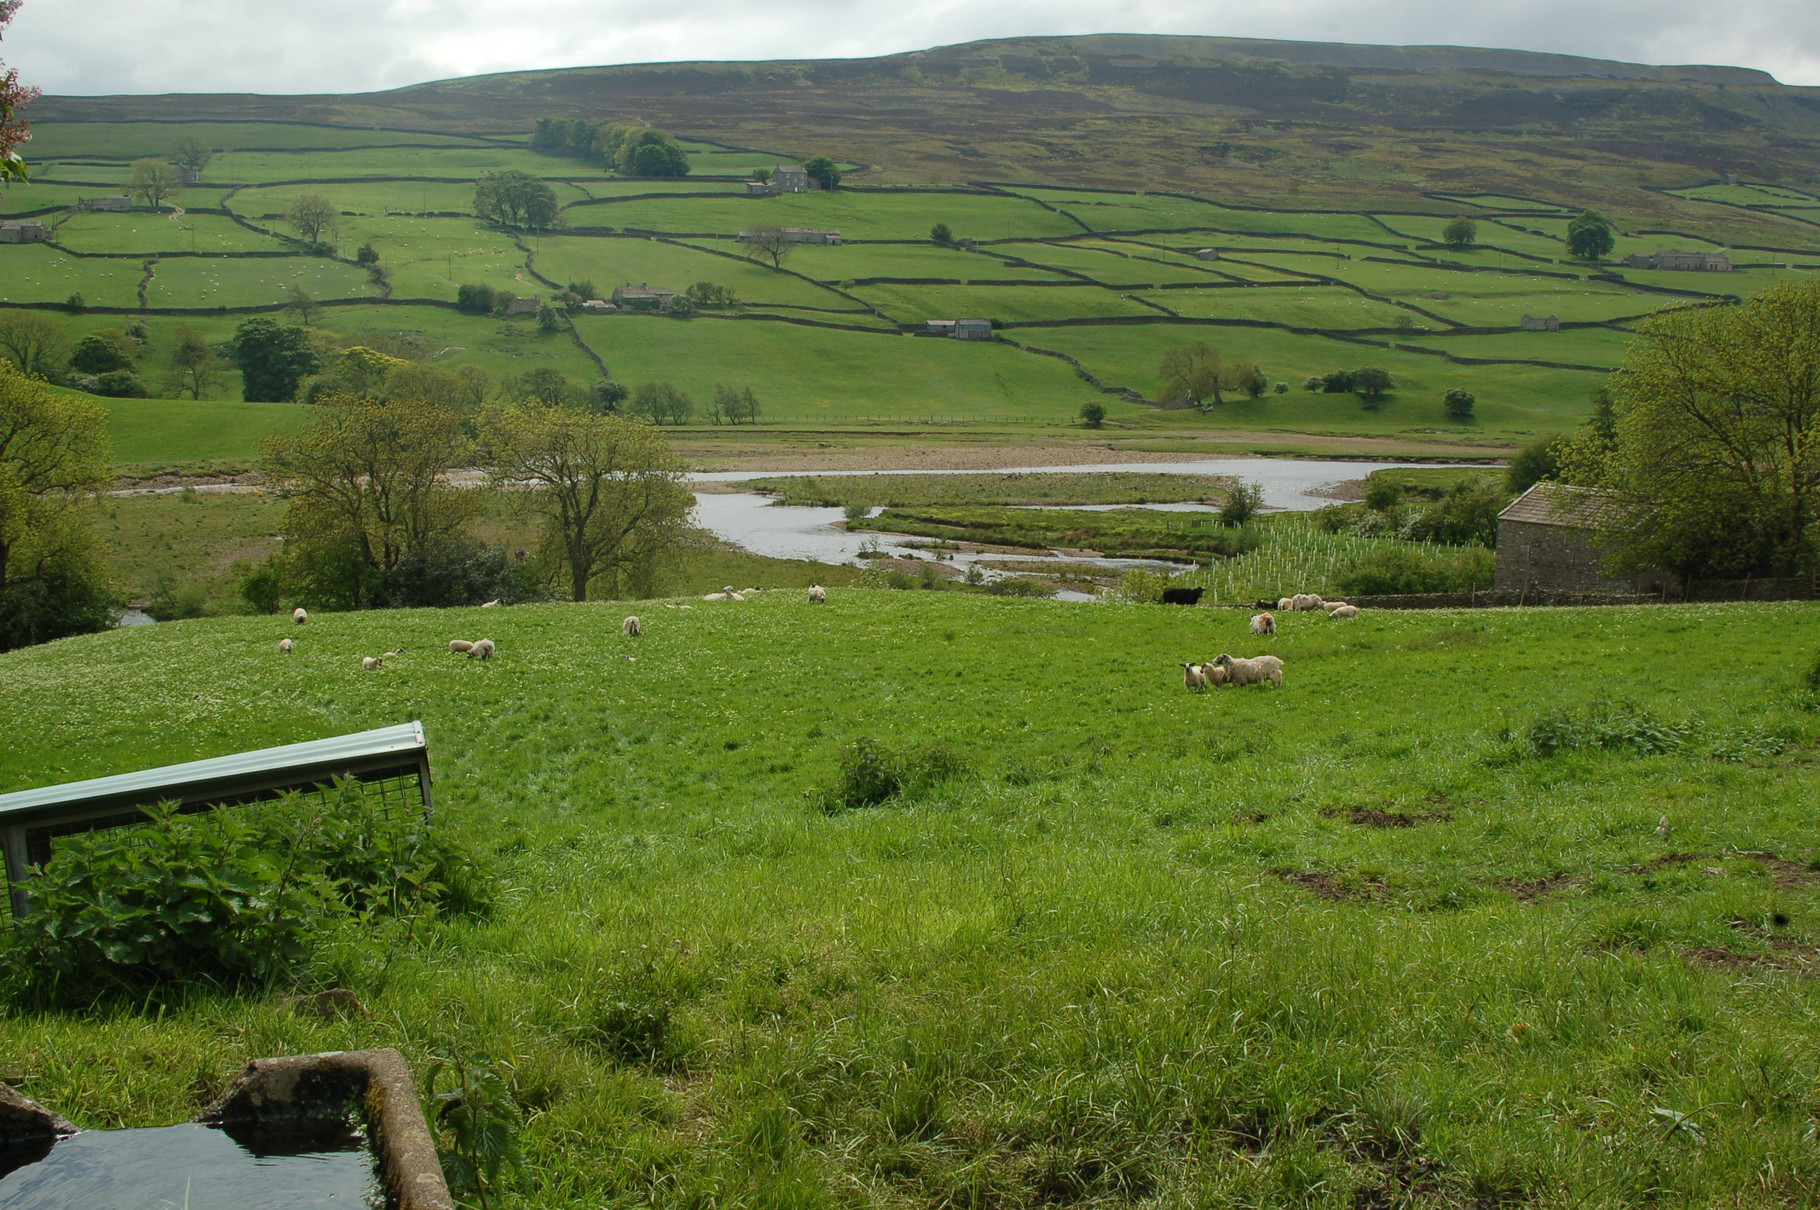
[
  {"x": 1715, "y": 450},
  {"x": 515, "y": 199},
  {"x": 609, "y": 492},
  {"x": 823, "y": 171},
  {"x": 194, "y": 366},
  {"x": 1192, "y": 373},
  {"x": 191, "y": 153},
  {"x": 768, "y": 242},
  {"x": 366, "y": 486},
  {"x": 662, "y": 403},
  {"x": 34, "y": 344},
  {"x": 313, "y": 215},
  {"x": 1589, "y": 236},
  {"x": 153, "y": 181},
  {"x": 53, "y": 459},
  {"x": 1460, "y": 234},
  {"x": 272, "y": 360}
]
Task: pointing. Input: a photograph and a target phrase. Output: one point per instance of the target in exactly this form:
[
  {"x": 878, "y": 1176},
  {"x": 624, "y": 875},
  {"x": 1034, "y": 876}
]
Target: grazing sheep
[
  {"x": 1182, "y": 596},
  {"x": 493, "y": 604},
  {"x": 370, "y": 662},
  {"x": 482, "y": 650},
  {"x": 1216, "y": 675},
  {"x": 1194, "y": 677},
  {"x": 460, "y": 647},
  {"x": 1344, "y": 611},
  {"x": 817, "y": 595},
  {"x": 631, "y": 628},
  {"x": 1285, "y": 604},
  {"x": 299, "y": 615},
  {"x": 1253, "y": 671},
  {"x": 284, "y": 645},
  {"x": 1263, "y": 623},
  {"x": 1303, "y": 602}
]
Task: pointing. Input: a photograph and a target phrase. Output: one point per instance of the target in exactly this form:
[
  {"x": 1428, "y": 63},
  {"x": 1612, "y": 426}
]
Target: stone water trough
[{"x": 272, "y": 1096}]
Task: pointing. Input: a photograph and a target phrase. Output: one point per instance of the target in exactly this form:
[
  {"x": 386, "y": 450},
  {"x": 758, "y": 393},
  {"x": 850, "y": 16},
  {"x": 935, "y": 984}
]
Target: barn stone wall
[{"x": 1562, "y": 558}]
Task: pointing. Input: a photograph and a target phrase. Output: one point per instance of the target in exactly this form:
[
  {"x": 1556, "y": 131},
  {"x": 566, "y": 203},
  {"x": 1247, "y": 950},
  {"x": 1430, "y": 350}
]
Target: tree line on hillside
[{"x": 629, "y": 149}]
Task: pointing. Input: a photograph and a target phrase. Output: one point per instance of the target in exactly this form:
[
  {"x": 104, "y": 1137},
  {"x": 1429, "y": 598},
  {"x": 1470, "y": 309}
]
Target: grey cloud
[{"x": 140, "y": 46}]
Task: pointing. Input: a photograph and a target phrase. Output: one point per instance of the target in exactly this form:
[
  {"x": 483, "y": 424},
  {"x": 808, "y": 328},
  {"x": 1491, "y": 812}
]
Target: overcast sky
[{"x": 149, "y": 46}]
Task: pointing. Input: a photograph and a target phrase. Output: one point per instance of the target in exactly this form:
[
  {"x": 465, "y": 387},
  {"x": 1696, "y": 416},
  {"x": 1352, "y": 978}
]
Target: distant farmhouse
[
  {"x": 798, "y": 235},
  {"x": 24, "y": 232},
  {"x": 1700, "y": 262},
  {"x": 1541, "y": 323},
  {"x": 644, "y": 298},
  {"x": 1207, "y": 253},
  {"x": 524, "y": 306},
  {"x": 1546, "y": 544},
  {"x": 785, "y": 178},
  {"x": 959, "y": 329}
]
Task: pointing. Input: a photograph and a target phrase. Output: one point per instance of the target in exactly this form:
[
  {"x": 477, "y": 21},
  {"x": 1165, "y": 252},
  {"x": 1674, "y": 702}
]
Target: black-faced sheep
[
  {"x": 817, "y": 595},
  {"x": 1263, "y": 623},
  {"x": 372, "y": 662},
  {"x": 1253, "y": 671},
  {"x": 1193, "y": 677},
  {"x": 631, "y": 628}
]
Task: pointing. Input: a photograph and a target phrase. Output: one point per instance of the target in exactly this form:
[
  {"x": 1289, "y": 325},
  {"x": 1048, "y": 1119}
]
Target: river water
[{"x": 750, "y": 519}]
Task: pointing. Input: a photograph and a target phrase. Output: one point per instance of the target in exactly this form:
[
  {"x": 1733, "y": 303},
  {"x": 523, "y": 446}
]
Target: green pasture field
[
  {"x": 616, "y": 187},
  {"x": 913, "y": 304},
  {"x": 856, "y": 215},
  {"x": 470, "y": 162},
  {"x": 502, "y": 347},
  {"x": 1331, "y": 307},
  {"x": 143, "y": 231},
  {"x": 36, "y": 273},
  {"x": 851, "y": 261},
  {"x": 617, "y": 261},
  {"x": 130, "y": 140},
  {"x": 79, "y": 172},
  {"x": 373, "y": 197},
  {"x": 167, "y": 432},
  {"x": 1512, "y": 399},
  {"x": 1498, "y": 202},
  {"x": 1225, "y": 268},
  {"x": 1112, "y": 212},
  {"x": 433, "y": 257},
  {"x": 1581, "y": 346},
  {"x": 157, "y": 544},
  {"x": 1253, "y": 947},
  {"x": 23, "y": 199},
  {"x": 1102, "y": 263},
  {"x": 921, "y": 491},
  {"x": 823, "y": 375},
  {"x": 1491, "y": 299},
  {"x": 241, "y": 283}
]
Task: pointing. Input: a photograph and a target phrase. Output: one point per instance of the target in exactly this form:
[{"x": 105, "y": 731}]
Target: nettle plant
[{"x": 235, "y": 897}]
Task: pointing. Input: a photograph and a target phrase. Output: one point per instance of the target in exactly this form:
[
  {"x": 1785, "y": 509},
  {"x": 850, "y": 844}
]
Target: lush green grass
[
  {"x": 37, "y": 273},
  {"x": 130, "y": 140},
  {"x": 162, "y": 432},
  {"x": 856, "y": 215},
  {"x": 1336, "y": 944},
  {"x": 614, "y": 262},
  {"x": 917, "y": 491},
  {"x": 1332, "y": 308},
  {"x": 914, "y": 304},
  {"x": 185, "y": 282},
  {"x": 1291, "y": 553},
  {"x": 143, "y": 231},
  {"x": 850, "y": 261}
]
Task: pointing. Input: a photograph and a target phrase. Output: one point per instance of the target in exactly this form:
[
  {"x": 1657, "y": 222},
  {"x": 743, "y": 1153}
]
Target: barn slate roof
[{"x": 1563, "y": 504}]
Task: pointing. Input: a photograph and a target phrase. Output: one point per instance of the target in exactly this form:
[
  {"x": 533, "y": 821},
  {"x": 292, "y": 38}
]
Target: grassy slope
[{"x": 1152, "y": 947}]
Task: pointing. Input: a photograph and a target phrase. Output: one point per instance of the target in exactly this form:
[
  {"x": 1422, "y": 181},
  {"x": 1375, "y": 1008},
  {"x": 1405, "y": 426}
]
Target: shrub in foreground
[{"x": 872, "y": 773}]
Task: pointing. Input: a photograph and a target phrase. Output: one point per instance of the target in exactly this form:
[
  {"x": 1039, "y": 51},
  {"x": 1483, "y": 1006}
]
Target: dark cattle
[{"x": 1182, "y": 596}]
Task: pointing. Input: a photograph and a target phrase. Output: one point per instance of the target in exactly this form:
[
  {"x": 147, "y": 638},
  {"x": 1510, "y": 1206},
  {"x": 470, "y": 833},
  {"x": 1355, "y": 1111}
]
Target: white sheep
[
  {"x": 460, "y": 647},
  {"x": 482, "y": 650},
  {"x": 1285, "y": 604},
  {"x": 284, "y": 645},
  {"x": 1253, "y": 671},
  {"x": 817, "y": 595},
  {"x": 1344, "y": 611},
  {"x": 725, "y": 594},
  {"x": 1193, "y": 677},
  {"x": 1303, "y": 602},
  {"x": 493, "y": 604},
  {"x": 371, "y": 662},
  {"x": 1263, "y": 623},
  {"x": 631, "y": 628},
  {"x": 1215, "y": 674},
  {"x": 300, "y": 615}
]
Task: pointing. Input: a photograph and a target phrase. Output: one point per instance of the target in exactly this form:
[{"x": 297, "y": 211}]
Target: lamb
[
  {"x": 1285, "y": 604},
  {"x": 1216, "y": 675},
  {"x": 817, "y": 595},
  {"x": 372, "y": 662},
  {"x": 631, "y": 628},
  {"x": 1344, "y": 611},
  {"x": 299, "y": 615},
  {"x": 284, "y": 645},
  {"x": 1253, "y": 671},
  {"x": 482, "y": 650},
  {"x": 725, "y": 594},
  {"x": 460, "y": 647},
  {"x": 1263, "y": 623},
  {"x": 1194, "y": 677}
]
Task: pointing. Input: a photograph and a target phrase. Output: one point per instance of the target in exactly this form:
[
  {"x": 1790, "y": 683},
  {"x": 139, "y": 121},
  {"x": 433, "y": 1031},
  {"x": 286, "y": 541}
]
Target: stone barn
[{"x": 1546, "y": 544}]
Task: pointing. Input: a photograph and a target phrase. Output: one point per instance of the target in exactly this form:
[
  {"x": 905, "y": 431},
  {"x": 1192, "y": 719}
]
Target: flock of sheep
[
  {"x": 483, "y": 649},
  {"x": 1225, "y": 669}
]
